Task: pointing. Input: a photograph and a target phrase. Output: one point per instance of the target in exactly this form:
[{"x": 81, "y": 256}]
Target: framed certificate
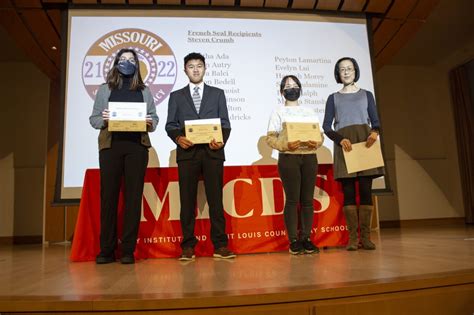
[
  {"x": 361, "y": 158},
  {"x": 303, "y": 131},
  {"x": 127, "y": 116},
  {"x": 203, "y": 130}
]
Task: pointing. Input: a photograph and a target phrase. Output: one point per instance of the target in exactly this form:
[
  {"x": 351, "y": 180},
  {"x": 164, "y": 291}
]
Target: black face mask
[
  {"x": 292, "y": 94},
  {"x": 126, "y": 67}
]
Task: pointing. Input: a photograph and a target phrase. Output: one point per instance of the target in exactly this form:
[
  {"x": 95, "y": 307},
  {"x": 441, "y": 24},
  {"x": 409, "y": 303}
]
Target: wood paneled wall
[{"x": 35, "y": 25}]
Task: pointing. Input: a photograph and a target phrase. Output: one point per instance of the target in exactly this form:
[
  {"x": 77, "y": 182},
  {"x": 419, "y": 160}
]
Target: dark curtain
[{"x": 463, "y": 110}]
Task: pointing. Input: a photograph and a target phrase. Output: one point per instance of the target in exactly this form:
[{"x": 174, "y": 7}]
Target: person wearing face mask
[
  {"x": 355, "y": 118},
  {"x": 297, "y": 166},
  {"x": 121, "y": 155}
]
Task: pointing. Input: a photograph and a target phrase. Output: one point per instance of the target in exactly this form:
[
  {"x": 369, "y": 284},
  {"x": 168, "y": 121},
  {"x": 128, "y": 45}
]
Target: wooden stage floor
[{"x": 428, "y": 263}]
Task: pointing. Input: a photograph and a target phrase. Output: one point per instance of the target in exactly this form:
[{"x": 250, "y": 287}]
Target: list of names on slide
[
  {"x": 308, "y": 71},
  {"x": 220, "y": 73}
]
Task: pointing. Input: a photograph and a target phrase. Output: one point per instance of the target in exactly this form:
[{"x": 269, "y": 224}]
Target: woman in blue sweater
[{"x": 353, "y": 112}]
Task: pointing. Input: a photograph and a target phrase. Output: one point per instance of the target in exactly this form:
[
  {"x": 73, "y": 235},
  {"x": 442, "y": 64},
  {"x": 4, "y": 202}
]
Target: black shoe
[
  {"x": 104, "y": 259},
  {"x": 187, "y": 254},
  {"x": 127, "y": 259},
  {"x": 296, "y": 248},
  {"x": 224, "y": 252},
  {"x": 309, "y": 247}
]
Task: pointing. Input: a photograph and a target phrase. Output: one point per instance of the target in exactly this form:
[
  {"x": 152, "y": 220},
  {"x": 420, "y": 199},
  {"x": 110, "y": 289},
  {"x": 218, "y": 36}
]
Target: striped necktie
[{"x": 197, "y": 98}]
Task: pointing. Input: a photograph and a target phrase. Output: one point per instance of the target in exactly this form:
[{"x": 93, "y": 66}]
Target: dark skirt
[{"x": 355, "y": 134}]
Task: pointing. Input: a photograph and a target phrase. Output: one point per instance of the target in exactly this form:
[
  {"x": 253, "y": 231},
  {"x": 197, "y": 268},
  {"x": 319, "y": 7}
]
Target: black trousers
[
  {"x": 189, "y": 172},
  {"x": 349, "y": 190},
  {"x": 127, "y": 160},
  {"x": 298, "y": 175}
]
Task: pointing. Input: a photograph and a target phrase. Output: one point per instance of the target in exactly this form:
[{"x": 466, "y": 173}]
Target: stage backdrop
[
  {"x": 247, "y": 54},
  {"x": 253, "y": 204}
]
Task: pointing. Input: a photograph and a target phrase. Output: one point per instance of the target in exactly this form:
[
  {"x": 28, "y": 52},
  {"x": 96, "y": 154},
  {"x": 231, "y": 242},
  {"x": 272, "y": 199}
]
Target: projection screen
[{"x": 247, "y": 54}]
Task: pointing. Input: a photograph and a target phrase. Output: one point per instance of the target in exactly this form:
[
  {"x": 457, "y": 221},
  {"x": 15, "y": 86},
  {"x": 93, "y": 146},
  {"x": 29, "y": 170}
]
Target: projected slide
[{"x": 246, "y": 56}]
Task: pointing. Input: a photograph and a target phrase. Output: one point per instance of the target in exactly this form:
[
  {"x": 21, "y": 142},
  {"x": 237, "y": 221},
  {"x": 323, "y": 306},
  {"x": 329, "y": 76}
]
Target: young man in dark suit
[{"x": 199, "y": 101}]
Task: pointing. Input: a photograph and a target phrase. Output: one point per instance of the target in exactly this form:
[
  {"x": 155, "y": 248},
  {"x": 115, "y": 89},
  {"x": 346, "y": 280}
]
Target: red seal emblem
[{"x": 156, "y": 60}]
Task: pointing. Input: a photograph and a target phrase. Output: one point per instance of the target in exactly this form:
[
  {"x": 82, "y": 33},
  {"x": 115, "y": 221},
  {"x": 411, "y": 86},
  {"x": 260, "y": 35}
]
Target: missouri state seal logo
[{"x": 156, "y": 60}]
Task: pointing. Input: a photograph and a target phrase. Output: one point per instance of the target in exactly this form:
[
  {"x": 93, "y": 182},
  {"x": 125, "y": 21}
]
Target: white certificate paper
[
  {"x": 203, "y": 130},
  {"x": 127, "y": 116},
  {"x": 135, "y": 111}
]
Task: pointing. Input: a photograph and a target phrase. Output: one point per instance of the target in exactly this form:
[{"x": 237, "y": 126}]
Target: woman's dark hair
[
  {"x": 285, "y": 78},
  {"x": 356, "y": 69},
  {"x": 114, "y": 78},
  {"x": 194, "y": 56}
]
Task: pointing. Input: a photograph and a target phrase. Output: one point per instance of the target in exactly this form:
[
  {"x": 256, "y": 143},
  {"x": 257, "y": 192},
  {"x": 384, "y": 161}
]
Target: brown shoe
[
  {"x": 187, "y": 254},
  {"x": 224, "y": 252},
  {"x": 365, "y": 217}
]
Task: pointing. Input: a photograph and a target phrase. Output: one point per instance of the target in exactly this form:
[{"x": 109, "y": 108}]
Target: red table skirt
[{"x": 253, "y": 204}]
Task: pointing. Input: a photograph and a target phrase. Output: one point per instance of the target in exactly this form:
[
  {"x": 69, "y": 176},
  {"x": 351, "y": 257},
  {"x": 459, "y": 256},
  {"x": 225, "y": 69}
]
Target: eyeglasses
[
  {"x": 348, "y": 70},
  {"x": 131, "y": 60}
]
